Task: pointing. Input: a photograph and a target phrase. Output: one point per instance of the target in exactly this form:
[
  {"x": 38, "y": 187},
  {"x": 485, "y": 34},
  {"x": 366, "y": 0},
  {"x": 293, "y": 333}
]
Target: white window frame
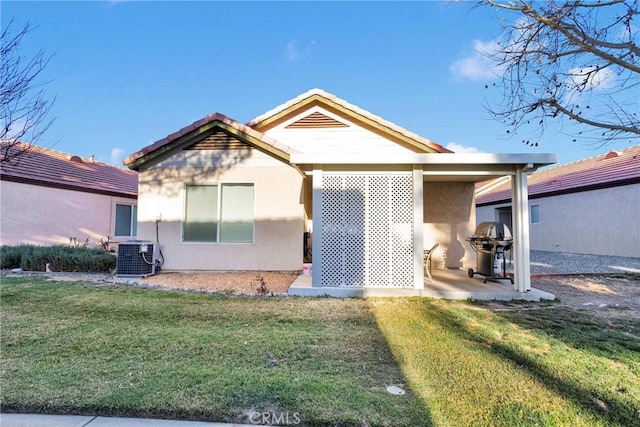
[
  {"x": 134, "y": 219},
  {"x": 537, "y": 209},
  {"x": 219, "y": 184}
]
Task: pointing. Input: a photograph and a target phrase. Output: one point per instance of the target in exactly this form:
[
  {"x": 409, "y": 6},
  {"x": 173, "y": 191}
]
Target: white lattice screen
[{"x": 367, "y": 230}]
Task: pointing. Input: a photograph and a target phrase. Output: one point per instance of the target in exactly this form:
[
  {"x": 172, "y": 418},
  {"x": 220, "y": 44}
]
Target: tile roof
[
  {"x": 133, "y": 160},
  {"x": 331, "y": 99},
  {"x": 252, "y": 129},
  {"x": 607, "y": 170},
  {"x": 50, "y": 168}
]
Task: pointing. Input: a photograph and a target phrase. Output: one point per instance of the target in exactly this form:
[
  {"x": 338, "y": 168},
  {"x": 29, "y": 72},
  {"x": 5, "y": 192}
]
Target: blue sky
[{"x": 127, "y": 73}]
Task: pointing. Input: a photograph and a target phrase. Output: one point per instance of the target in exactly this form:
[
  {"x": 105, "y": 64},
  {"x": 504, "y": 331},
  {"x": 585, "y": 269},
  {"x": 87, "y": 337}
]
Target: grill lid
[{"x": 492, "y": 230}]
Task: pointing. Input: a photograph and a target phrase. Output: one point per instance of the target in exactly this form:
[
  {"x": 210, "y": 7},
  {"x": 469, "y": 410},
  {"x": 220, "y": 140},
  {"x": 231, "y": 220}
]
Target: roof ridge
[
  {"x": 289, "y": 103},
  {"x": 42, "y": 149},
  {"x": 586, "y": 159},
  {"x": 591, "y": 172}
]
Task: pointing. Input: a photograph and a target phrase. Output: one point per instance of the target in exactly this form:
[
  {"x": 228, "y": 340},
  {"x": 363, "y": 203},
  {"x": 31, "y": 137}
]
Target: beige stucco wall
[
  {"x": 598, "y": 222},
  {"x": 278, "y": 207},
  {"x": 449, "y": 218},
  {"x": 46, "y": 216}
]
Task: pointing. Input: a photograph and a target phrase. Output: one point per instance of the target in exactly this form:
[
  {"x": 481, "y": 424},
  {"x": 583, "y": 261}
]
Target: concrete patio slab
[{"x": 447, "y": 284}]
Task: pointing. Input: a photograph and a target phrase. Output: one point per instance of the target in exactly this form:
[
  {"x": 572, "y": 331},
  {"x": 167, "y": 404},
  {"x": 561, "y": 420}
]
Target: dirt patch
[
  {"x": 242, "y": 282},
  {"x": 599, "y": 291},
  {"x": 617, "y": 296},
  {"x": 227, "y": 282}
]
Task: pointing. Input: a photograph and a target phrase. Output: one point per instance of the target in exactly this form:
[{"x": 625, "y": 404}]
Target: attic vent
[
  {"x": 219, "y": 140},
  {"x": 316, "y": 120},
  {"x": 612, "y": 154},
  {"x": 75, "y": 159}
]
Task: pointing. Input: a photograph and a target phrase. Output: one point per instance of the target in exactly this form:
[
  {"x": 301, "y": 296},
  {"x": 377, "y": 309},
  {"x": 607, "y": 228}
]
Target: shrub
[
  {"x": 10, "y": 256},
  {"x": 59, "y": 258}
]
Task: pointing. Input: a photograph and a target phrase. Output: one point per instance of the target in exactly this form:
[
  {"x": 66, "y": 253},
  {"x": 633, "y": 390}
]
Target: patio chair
[{"x": 427, "y": 260}]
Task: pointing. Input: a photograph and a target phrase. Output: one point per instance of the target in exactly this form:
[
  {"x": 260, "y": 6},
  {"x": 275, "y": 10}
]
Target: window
[
  {"x": 126, "y": 220},
  {"x": 535, "y": 214},
  {"x": 201, "y": 213},
  {"x": 218, "y": 213},
  {"x": 504, "y": 216}
]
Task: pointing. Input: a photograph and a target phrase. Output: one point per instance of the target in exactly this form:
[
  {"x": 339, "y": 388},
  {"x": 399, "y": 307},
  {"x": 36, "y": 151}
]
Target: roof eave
[
  {"x": 182, "y": 139},
  {"x": 532, "y": 160},
  {"x": 558, "y": 192},
  {"x": 333, "y": 104},
  {"x": 68, "y": 186}
]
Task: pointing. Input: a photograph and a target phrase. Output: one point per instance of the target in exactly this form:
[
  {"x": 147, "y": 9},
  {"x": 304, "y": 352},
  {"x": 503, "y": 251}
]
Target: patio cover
[{"x": 462, "y": 167}]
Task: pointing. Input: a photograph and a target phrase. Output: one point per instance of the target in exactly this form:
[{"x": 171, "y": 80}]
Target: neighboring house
[
  {"x": 591, "y": 206},
  {"x": 48, "y": 197},
  {"x": 226, "y": 196}
]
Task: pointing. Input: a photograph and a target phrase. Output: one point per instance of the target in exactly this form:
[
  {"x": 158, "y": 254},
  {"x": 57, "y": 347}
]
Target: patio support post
[
  {"x": 522, "y": 260},
  {"x": 418, "y": 228},
  {"x": 316, "y": 200}
]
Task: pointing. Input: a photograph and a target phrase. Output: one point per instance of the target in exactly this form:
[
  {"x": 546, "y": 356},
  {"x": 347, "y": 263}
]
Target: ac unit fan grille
[{"x": 132, "y": 262}]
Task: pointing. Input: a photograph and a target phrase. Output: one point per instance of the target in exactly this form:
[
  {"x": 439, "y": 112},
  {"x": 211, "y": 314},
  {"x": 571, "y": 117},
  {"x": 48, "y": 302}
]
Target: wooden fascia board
[
  {"x": 377, "y": 128},
  {"x": 359, "y": 119},
  {"x": 287, "y": 113},
  {"x": 180, "y": 141},
  {"x": 257, "y": 143},
  {"x": 198, "y": 133},
  {"x": 263, "y": 146}
]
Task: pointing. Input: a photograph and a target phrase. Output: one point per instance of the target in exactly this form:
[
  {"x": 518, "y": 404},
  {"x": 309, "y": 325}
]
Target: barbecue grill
[{"x": 490, "y": 242}]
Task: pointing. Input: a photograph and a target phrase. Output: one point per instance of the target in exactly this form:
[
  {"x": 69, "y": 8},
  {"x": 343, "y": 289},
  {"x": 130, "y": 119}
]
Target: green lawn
[{"x": 119, "y": 350}]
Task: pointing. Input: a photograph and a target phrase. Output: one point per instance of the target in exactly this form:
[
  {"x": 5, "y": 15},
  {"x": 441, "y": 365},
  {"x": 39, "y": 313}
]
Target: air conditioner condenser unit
[{"x": 137, "y": 258}]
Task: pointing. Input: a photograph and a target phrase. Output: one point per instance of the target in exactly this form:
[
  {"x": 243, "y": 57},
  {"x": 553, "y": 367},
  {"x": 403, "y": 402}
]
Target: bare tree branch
[
  {"x": 24, "y": 106},
  {"x": 573, "y": 59}
]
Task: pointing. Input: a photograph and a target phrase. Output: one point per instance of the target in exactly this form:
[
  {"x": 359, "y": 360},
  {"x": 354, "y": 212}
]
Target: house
[
  {"x": 48, "y": 197},
  {"x": 221, "y": 195},
  {"x": 591, "y": 206}
]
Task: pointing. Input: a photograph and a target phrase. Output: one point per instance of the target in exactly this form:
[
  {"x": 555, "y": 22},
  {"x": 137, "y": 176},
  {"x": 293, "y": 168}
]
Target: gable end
[
  {"x": 340, "y": 108},
  {"x": 233, "y": 135},
  {"x": 218, "y": 140},
  {"x": 316, "y": 120}
]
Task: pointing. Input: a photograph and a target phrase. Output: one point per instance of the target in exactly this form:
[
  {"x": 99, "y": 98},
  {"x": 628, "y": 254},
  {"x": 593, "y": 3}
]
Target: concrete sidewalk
[{"x": 40, "y": 420}]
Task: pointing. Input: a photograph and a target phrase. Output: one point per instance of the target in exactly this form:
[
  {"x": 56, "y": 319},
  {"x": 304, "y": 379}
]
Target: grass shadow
[
  {"x": 576, "y": 333},
  {"x": 124, "y": 351}
]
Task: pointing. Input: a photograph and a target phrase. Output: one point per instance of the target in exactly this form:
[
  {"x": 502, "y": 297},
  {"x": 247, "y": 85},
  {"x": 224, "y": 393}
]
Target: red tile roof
[
  {"x": 50, "y": 168},
  {"x": 139, "y": 155},
  {"x": 608, "y": 170}
]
